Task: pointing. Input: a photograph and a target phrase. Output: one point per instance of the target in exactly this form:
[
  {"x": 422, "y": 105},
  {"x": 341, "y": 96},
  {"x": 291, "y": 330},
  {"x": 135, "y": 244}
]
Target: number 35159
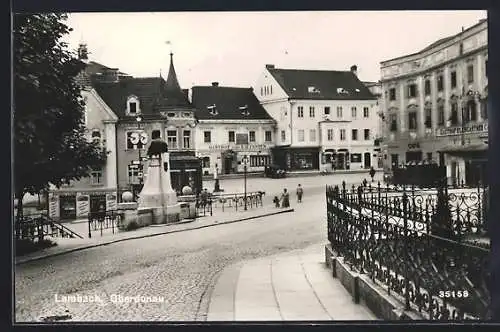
[{"x": 453, "y": 294}]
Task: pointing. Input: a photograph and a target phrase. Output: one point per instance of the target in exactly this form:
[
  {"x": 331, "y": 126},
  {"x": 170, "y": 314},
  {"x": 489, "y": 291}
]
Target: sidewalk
[
  {"x": 67, "y": 245},
  {"x": 291, "y": 286},
  {"x": 288, "y": 174}
]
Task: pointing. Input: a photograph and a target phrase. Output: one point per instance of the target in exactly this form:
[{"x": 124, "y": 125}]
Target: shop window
[
  {"x": 186, "y": 139},
  {"x": 251, "y": 136},
  {"x": 172, "y": 139},
  {"x": 268, "y": 136},
  {"x": 231, "y": 137},
  {"x": 96, "y": 176},
  {"x": 207, "y": 137},
  {"x": 259, "y": 161},
  {"x": 304, "y": 160},
  {"x": 355, "y": 157}
]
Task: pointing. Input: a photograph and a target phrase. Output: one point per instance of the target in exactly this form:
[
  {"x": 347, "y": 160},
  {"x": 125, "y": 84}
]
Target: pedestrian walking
[
  {"x": 276, "y": 201},
  {"x": 372, "y": 172},
  {"x": 300, "y": 192},
  {"x": 204, "y": 197},
  {"x": 285, "y": 199}
]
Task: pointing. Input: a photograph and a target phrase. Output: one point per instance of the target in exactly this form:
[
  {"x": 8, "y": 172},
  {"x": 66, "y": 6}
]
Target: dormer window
[
  {"x": 342, "y": 91},
  {"x": 133, "y": 106},
  {"x": 244, "y": 110},
  {"x": 212, "y": 109},
  {"x": 312, "y": 89}
]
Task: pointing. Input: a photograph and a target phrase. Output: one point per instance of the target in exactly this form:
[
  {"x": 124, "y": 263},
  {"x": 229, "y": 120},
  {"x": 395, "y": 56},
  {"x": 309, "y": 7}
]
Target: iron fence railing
[
  {"x": 100, "y": 221},
  {"x": 237, "y": 200},
  {"x": 415, "y": 246},
  {"x": 36, "y": 227}
]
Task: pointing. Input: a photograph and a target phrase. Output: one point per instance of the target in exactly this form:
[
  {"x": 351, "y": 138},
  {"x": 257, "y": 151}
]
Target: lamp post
[
  {"x": 245, "y": 161},
  {"x": 139, "y": 119}
]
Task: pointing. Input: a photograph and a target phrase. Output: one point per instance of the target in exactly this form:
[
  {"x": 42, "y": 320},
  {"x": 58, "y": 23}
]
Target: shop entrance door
[
  {"x": 340, "y": 161},
  {"x": 367, "y": 159},
  {"x": 228, "y": 164}
]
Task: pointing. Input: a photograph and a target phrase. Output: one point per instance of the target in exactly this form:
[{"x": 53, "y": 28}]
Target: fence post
[
  {"x": 406, "y": 254},
  {"x": 90, "y": 220}
]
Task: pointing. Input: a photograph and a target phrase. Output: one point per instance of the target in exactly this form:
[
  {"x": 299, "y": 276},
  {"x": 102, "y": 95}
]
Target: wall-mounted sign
[
  {"x": 469, "y": 129},
  {"x": 54, "y": 208},
  {"x": 82, "y": 205},
  {"x": 238, "y": 147},
  {"x": 111, "y": 202},
  {"x": 241, "y": 139},
  {"x": 413, "y": 146}
]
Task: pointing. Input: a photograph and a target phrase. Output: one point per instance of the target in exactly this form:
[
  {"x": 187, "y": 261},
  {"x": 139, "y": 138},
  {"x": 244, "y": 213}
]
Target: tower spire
[{"x": 172, "y": 81}]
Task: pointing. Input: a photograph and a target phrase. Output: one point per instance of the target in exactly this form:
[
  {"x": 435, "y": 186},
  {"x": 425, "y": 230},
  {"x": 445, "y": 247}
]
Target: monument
[{"x": 157, "y": 194}]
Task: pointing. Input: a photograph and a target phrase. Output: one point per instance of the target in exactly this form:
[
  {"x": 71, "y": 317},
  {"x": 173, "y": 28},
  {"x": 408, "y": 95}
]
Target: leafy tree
[{"x": 50, "y": 146}]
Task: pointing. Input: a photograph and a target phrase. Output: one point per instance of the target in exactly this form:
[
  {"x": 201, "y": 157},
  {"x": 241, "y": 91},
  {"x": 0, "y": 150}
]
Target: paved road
[{"x": 181, "y": 267}]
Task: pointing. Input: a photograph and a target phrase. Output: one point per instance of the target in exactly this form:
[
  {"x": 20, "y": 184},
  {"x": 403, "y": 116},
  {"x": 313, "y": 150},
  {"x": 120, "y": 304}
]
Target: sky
[{"x": 232, "y": 48}]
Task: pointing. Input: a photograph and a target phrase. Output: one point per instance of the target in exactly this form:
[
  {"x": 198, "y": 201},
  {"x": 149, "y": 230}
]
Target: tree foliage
[{"x": 50, "y": 144}]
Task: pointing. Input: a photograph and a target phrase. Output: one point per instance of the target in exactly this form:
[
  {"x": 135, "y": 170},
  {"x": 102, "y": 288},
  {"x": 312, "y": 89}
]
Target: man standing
[{"x": 300, "y": 192}]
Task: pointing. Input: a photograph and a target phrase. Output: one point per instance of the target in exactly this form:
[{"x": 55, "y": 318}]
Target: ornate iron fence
[
  {"x": 237, "y": 201},
  {"x": 415, "y": 245},
  {"x": 37, "y": 226},
  {"x": 100, "y": 221}
]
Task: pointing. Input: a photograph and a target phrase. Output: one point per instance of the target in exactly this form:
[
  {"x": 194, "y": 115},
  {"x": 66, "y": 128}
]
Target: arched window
[{"x": 133, "y": 106}]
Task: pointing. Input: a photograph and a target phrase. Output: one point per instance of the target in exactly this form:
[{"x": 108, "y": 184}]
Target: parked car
[{"x": 274, "y": 171}]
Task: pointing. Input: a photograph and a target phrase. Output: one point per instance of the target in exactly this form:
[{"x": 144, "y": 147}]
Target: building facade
[
  {"x": 325, "y": 119},
  {"x": 232, "y": 125},
  {"x": 144, "y": 106},
  {"x": 435, "y": 105},
  {"x": 89, "y": 194}
]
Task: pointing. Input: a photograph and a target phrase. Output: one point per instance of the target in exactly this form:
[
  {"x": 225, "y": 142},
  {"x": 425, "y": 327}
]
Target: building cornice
[{"x": 221, "y": 121}]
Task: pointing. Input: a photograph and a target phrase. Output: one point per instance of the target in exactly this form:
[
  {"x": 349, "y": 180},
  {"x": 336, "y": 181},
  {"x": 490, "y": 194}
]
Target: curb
[{"x": 28, "y": 260}]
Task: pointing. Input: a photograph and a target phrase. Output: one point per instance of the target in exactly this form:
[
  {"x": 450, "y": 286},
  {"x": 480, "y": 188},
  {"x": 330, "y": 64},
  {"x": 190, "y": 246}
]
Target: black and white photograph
[{"x": 280, "y": 166}]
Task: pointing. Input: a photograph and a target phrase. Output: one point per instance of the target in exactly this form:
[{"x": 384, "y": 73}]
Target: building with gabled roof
[
  {"x": 145, "y": 105},
  {"x": 232, "y": 125},
  {"x": 325, "y": 118}
]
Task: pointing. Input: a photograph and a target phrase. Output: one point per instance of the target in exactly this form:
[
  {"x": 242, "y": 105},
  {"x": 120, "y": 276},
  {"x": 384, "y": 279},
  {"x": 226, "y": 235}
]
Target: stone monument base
[{"x": 165, "y": 215}]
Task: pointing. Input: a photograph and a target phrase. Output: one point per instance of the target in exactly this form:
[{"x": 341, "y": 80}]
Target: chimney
[
  {"x": 110, "y": 75},
  {"x": 269, "y": 66},
  {"x": 354, "y": 70},
  {"x": 215, "y": 83}
]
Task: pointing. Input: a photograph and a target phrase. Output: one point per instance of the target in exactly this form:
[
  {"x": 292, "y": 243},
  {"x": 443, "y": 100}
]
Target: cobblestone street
[{"x": 182, "y": 267}]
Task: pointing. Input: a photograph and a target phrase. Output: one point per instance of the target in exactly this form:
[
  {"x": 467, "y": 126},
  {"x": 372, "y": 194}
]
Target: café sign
[
  {"x": 470, "y": 129},
  {"x": 238, "y": 147}
]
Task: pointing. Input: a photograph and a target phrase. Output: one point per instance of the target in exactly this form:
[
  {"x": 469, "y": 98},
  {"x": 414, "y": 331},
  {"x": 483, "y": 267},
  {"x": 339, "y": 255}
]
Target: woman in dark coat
[{"x": 285, "y": 199}]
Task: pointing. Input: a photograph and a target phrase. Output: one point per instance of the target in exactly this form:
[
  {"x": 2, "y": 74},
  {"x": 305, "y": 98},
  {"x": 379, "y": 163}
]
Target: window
[
  {"x": 134, "y": 140},
  {"x": 454, "y": 114},
  {"x": 300, "y": 112},
  {"x": 205, "y": 162},
  {"x": 427, "y": 87},
  {"x": 428, "y": 118},
  {"x": 311, "y": 112},
  {"x": 329, "y": 134},
  {"x": 339, "y": 112},
  {"x": 354, "y": 112},
  {"x": 186, "y": 139},
  {"x": 207, "y": 137},
  {"x": 429, "y": 155},
  {"x": 133, "y": 173},
  {"x": 172, "y": 139},
  {"x": 394, "y": 122},
  {"x": 231, "y": 137},
  {"x": 470, "y": 73},
  {"x": 283, "y": 136},
  {"x": 366, "y": 112},
  {"x": 259, "y": 161},
  {"x": 453, "y": 79},
  {"x": 440, "y": 83},
  {"x": 342, "y": 134},
  {"x": 412, "y": 120},
  {"x": 471, "y": 114},
  {"x": 96, "y": 176},
  {"x": 354, "y": 134},
  {"x": 261, "y": 91},
  {"x": 132, "y": 107},
  {"x": 440, "y": 115},
  {"x": 155, "y": 133},
  {"x": 312, "y": 135},
  {"x": 327, "y": 110},
  {"x": 271, "y": 88},
  {"x": 367, "y": 134},
  {"x": 412, "y": 90},
  {"x": 251, "y": 135},
  {"x": 268, "y": 136},
  {"x": 301, "y": 135},
  {"x": 392, "y": 94}
]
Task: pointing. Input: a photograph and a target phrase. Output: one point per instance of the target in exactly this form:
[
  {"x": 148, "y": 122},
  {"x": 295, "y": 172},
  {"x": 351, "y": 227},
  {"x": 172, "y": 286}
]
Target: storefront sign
[
  {"x": 238, "y": 147},
  {"x": 241, "y": 139},
  {"x": 54, "y": 206},
  {"x": 111, "y": 202},
  {"x": 413, "y": 146},
  {"x": 470, "y": 129},
  {"x": 82, "y": 205}
]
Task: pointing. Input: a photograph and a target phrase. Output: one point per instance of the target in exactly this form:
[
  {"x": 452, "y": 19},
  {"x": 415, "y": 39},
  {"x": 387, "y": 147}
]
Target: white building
[
  {"x": 231, "y": 125},
  {"x": 324, "y": 118},
  {"x": 435, "y": 105}
]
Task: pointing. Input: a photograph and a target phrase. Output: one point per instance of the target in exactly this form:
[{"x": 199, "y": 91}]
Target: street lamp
[
  {"x": 139, "y": 119},
  {"x": 245, "y": 161}
]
